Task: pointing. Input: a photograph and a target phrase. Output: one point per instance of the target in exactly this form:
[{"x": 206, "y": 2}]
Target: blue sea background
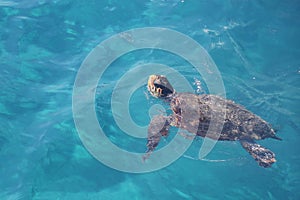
[{"x": 255, "y": 45}]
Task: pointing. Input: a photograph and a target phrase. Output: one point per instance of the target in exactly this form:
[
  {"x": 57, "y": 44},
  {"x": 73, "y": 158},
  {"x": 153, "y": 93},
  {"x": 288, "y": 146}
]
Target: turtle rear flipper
[{"x": 262, "y": 155}]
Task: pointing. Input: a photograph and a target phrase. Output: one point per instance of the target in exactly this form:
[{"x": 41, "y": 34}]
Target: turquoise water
[{"x": 255, "y": 45}]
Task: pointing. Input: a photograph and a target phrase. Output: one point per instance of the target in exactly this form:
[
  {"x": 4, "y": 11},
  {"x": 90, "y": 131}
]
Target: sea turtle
[{"x": 194, "y": 113}]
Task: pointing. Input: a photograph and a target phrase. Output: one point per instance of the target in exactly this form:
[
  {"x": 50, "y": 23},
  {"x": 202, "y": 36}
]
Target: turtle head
[{"x": 159, "y": 86}]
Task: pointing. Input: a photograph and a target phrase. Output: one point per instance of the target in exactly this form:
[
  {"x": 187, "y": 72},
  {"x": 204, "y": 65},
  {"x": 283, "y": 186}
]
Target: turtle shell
[{"x": 217, "y": 118}]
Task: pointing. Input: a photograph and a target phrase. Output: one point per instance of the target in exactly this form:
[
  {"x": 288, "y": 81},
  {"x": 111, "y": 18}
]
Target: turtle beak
[{"x": 159, "y": 86}]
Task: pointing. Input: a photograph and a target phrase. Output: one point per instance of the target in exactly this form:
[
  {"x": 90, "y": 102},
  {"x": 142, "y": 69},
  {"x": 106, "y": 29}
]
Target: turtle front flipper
[
  {"x": 159, "y": 126},
  {"x": 262, "y": 155}
]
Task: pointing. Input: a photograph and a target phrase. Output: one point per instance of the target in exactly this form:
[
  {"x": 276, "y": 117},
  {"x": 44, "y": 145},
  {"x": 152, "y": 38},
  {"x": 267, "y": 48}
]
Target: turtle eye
[{"x": 152, "y": 88}]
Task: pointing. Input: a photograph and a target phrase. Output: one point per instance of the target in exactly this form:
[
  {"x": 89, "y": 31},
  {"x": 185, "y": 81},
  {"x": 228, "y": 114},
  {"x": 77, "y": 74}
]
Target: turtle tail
[{"x": 276, "y": 137}]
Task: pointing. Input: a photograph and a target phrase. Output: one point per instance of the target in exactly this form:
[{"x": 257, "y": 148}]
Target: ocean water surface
[{"x": 255, "y": 45}]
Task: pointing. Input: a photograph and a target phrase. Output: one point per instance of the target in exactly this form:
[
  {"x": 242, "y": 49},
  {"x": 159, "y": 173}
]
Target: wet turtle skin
[{"x": 209, "y": 116}]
